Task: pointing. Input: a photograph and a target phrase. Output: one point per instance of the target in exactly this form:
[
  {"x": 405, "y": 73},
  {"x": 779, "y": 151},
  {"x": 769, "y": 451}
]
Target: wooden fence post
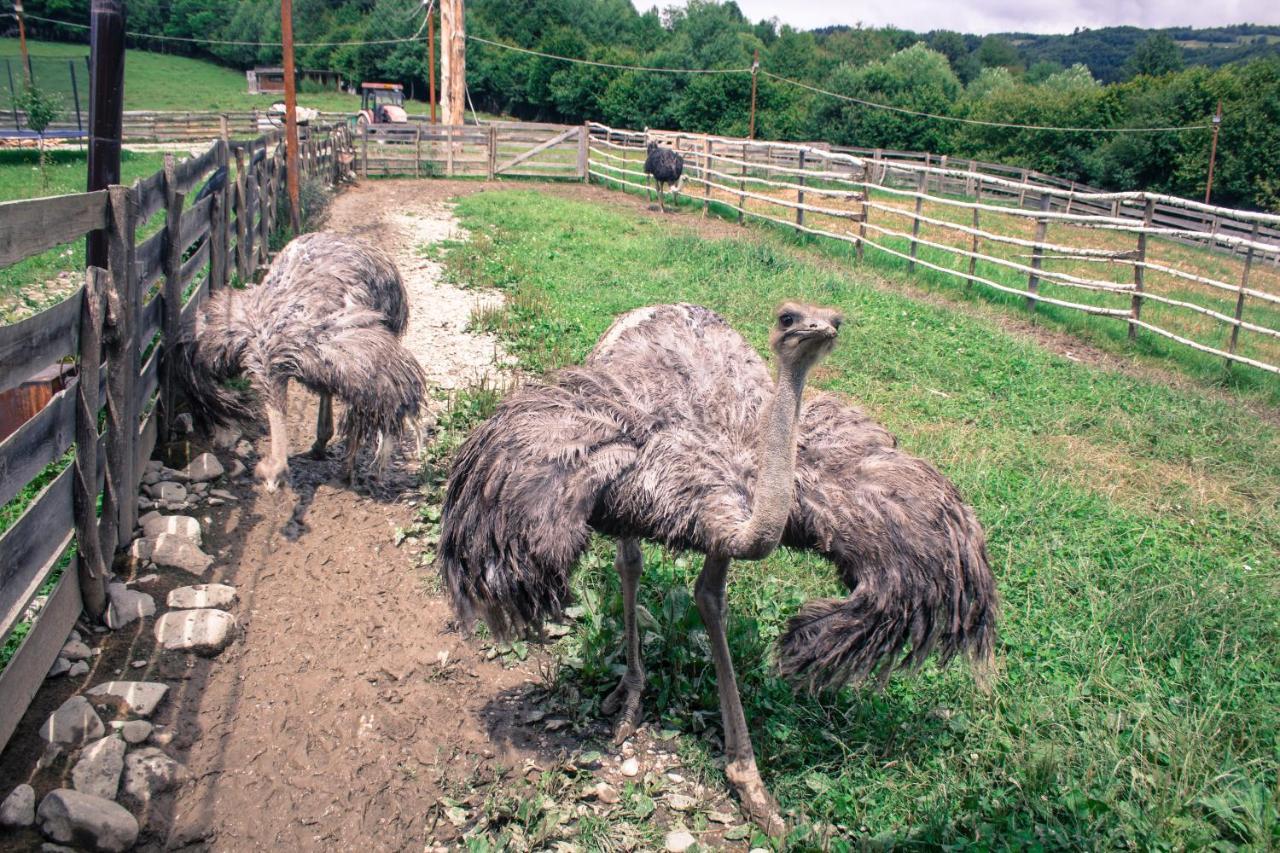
[
  {"x": 800, "y": 192},
  {"x": 973, "y": 248},
  {"x": 1244, "y": 284},
  {"x": 1037, "y": 252},
  {"x": 491, "y": 165},
  {"x": 584, "y": 158},
  {"x": 218, "y": 228},
  {"x": 1139, "y": 269},
  {"x": 862, "y": 226},
  {"x": 942, "y": 179},
  {"x": 742, "y": 186},
  {"x": 172, "y": 294},
  {"x": 268, "y": 168},
  {"x": 91, "y": 567},
  {"x": 1022, "y": 190},
  {"x": 706, "y": 175},
  {"x": 364, "y": 151},
  {"x": 877, "y": 169},
  {"x": 240, "y": 203},
  {"x": 417, "y": 151},
  {"x": 448, "y": 149},
  {"x": 922, "y": 178},
  {"x": 122, "y": 371}
]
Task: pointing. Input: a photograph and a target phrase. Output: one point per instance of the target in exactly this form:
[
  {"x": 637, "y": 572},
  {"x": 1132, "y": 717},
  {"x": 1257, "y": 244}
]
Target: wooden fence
[
  {"x": 117, "y": 329},
  {"x": 975, "y": 226},
  {"x": 419, "y": 149}
]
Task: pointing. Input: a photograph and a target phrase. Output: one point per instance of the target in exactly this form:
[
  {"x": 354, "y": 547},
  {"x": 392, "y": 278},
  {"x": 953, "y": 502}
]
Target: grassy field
[{"x": 1133, "y": 528}]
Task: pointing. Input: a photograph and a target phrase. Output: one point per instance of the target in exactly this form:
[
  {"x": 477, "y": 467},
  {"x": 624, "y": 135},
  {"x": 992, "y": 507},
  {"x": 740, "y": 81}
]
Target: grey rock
[
  {"x": 167, "y": 491},
  {"x": 146, "y": 579},
  {"x": 243, "y": 449},
  {"x": 215, "y": 501},
  {"x": 179, "y": 552},
  {"x": 225, "y": 438},
  {"x": 127, "y": 605},
  {"x": 204, "y": 467},
  {"x": 52, "y": 752},
  {"x": 78, "y": 669},
  {"x": 630, "y": 767},
  {"x": 19, "y": 808},
  {"x": 142, "y": 697},
  {"x": 678, "y": 841},
  {"x": 141, "y": 549},
  {"x": 74, "y": 722},
  {"x": 173, "y": 475},
  {"x": 150, "y": 478},
  {"x": 60, "y": 667},
  {"x": 205, "y": 631},
  {"x": 75, "y": 650},
  {"x": 202, "y": 595},
  {"x": 237, "y": 469},
  {"x": 223, "y": 494},
  {"x": 50, "y": 847},
  {"x": 154, "y": 465},
  {"x": 98, "y": 770},
  {"x": 148, "y": 771},
  {"x": 606, "y": 793},
  {"x": 70, "y": 817},
  {"x": 136, "y": 731},
  {"x": 180, "y": 525}
]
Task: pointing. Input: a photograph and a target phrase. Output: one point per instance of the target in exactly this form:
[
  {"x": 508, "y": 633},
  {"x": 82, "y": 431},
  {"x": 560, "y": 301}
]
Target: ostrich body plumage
[
  {"x": 329, "y": 315},
  {"x": 666, "y": 166}
]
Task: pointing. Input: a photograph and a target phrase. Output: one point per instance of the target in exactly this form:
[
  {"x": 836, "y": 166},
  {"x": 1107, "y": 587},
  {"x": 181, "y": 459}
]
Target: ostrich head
[
  {"x": 804, "y": 334},
  {"x": 653, "y": 146}
]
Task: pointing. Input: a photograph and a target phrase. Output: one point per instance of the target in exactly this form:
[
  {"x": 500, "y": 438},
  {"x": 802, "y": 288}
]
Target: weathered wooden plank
[
  {"x": 150, "y": 318},
  {"x": 146, "y": 443},
  {"x": 149, "y": 258},
  {"x": 150, "y": 195},
  {"x": 195, "y": 223},
  {"x": 148, "y": 380},
  {"x": 36, "y": 225},
  {"x": 29, "y": 548},
  {"x": 27, "y": 669},
  {"x": 39, "y": 441},
  {"x": 36, "y": 342},
  {"x": 189, "y": 172},
  {"x": 84, "y": 487}
]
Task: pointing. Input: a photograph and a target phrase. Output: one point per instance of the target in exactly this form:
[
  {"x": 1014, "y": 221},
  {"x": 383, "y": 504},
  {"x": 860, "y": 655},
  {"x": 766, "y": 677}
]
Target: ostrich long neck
[{"x": 775, "y": 466}]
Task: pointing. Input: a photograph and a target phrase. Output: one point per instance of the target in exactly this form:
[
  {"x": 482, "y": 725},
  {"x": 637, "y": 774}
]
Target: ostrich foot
[
  {"x": 318, "y": 452},
  {"x": 756, "y": 800},
  {"x": 272, "y": 473},
  {"x": 624, "y": 698}
]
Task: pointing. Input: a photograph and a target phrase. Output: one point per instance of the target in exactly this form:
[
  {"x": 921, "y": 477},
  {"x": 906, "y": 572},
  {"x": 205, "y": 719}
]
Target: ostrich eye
[{"x": 786, "y": 320}]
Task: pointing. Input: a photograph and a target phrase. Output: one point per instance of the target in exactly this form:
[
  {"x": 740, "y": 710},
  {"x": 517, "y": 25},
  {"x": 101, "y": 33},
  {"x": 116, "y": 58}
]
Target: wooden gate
[{"x": 523, "y": 149}]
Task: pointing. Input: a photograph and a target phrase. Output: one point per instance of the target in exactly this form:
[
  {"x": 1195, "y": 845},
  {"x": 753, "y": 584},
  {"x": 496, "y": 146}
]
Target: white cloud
[{"x": 986, "y": 16}]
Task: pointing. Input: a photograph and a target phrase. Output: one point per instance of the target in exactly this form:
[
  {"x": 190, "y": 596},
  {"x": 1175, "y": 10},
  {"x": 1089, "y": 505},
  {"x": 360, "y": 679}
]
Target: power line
[
  {"x": 980, "y": 122},
  {"x": 606, "y": 64},
  {"x": 236, "y": 42}
]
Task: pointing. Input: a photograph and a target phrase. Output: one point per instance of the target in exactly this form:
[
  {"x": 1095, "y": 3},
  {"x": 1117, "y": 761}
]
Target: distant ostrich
[
  {"x": 329, "y": 314},
  {"x": 674, "y": 432},
  {"x": 666, "y": 166}
]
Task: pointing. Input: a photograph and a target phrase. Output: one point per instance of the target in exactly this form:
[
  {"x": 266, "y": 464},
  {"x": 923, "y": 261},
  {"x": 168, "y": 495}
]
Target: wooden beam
[{"x": 536, "y": 150}]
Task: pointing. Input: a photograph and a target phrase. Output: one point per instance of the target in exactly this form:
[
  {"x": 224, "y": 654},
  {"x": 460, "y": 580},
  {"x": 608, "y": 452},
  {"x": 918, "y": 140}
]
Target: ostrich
[
  {"x": 329, "y": 314},
  {"x": 666, "y": 166},
  {"x": 673, "y": 432}
]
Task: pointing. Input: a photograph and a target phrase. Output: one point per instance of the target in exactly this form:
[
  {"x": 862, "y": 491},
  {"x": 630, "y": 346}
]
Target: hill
[{"x": 1107, "y": 51}]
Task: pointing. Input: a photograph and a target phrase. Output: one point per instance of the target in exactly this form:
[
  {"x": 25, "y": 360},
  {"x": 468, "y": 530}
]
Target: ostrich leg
[
  {"x": 626, "y": 696},
  {"x": 741, "y": 769},
  {"x": 273, "y": 469},
  {"x": 662, "y": 205},
  {"x": 324, "y": 426}
]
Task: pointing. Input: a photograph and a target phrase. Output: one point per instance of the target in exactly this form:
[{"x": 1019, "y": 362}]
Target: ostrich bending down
[
  {"x": 674, "y": 432},
  {"x": 329, "y": 314},
  {"x": 666, "y": 166}
]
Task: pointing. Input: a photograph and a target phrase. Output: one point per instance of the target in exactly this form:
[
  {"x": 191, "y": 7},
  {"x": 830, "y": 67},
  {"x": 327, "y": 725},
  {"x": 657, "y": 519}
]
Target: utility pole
[
  {"x": 453, "y": 61},
  {"x": 1213, "y": 151},
  {"x": 22, "y": 41},
  {"x": 755, "y": 68},
  {"x": 106, "y": 108},
  {"x": 431, "y": 56},
  {"x": 290, "y": 115}
]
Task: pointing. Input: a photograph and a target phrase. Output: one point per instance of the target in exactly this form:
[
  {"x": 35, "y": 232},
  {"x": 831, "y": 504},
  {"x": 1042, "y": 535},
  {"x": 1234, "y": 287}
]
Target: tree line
[{"x": 997, "y": 79}]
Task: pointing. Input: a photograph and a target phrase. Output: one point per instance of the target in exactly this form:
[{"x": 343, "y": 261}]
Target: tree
[
  {"x": 1155, "y": 56},
  {"x": 40, "y": 109},
  {"x": 996, "y": 52}
]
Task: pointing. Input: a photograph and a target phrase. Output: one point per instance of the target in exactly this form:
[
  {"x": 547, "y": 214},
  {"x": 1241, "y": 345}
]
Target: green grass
[
  {"x": 1133, "y": 528},
  {"x": 40, "y": 281}
]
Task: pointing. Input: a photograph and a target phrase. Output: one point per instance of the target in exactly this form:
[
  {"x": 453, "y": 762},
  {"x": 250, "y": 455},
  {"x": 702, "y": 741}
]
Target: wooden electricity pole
[
  {"x": 106, "y": 108},
  {"x": 22, "y": 41},
  {"x": 431, "y": 56},
  {"x": 1213, "y": 151},
  {"x": 290, "y": 116},
  {"x": 453, "y": 61},
  {"x": 755, "y": 67}
]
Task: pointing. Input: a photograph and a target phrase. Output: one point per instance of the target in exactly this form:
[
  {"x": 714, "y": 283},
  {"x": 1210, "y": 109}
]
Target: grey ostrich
[
  {"x": 329, "y": 314},
  {"x": 666, "y": 166},
  {"x": 674, "y": 432}
]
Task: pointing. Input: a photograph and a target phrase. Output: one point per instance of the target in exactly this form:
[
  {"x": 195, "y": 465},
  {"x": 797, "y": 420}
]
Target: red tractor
[{"x": 381, "y": 103}]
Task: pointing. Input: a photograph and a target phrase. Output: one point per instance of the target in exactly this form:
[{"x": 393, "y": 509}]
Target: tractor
[{"x": 381, "y": 103}]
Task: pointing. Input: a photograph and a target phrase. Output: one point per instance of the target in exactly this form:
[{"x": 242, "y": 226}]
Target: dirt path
[{"x": 348, "y": 704}]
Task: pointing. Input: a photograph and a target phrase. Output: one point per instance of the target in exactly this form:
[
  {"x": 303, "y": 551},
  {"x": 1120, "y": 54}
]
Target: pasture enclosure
[
  {"x": 525, "y": 149},
  {"x": 113, "y": 334}
]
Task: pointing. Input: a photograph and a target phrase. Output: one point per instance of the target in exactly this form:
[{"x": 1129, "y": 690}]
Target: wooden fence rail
[
  {"x": 134, "y": 306},
  {"x": 927, "y": 213}
]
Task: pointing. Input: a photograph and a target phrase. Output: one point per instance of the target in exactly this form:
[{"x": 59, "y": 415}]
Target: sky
[{"x": 990, "y": 16}]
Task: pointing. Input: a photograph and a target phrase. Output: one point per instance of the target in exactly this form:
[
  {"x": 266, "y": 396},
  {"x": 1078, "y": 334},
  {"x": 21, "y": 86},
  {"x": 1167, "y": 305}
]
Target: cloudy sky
[{"x": 986, "y": 16}]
